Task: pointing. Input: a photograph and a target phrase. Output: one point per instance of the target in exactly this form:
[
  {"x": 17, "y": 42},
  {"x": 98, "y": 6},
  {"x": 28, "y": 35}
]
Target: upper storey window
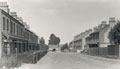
[
  {"x": 7, "y": 25},
  {"x": 11, "y": 27},
  {"x": 3, "y": 23}
]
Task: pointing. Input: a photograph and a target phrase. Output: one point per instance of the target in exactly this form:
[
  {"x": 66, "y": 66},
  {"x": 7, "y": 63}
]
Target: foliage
[
  {"x": 64, "y": 47},
  {"x": 25, "y": 57},
  {"x": 42, "y": 45},
  {"x": 114, "y": 34},
  {"x": 53, "y": 40},
  {"x": 54, "y": 50},
  {"x": 14, "y": 61},
  {"x": 42, "y": 41},
  {"x": 10, "y": 62}
]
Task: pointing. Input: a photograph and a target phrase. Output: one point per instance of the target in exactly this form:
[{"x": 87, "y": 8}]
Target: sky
[{"x": 64, "y": 18}]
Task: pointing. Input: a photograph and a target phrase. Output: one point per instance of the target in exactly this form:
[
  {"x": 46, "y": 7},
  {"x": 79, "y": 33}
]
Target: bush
[
  {"x": 13, "y": 61},
  {"x": 64, "y": 47},
  {"x": 114, "y": 34},
  {"x": 10, "y": 62},
  {"x": 25, "y": 57},
  {"x": 54, "y": 50}
]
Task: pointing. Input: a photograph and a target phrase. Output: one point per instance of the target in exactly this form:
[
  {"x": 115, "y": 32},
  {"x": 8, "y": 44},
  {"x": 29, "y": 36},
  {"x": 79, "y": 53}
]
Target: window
[
  {"x": 3, "y": 23},
  {"x": 21, "y": 32},
  {"x": 7, "y": 25},
  {"x": 14, "y": 28},
  {"x": 17, "y": 30},
  {"x": 11, "y": 27}
]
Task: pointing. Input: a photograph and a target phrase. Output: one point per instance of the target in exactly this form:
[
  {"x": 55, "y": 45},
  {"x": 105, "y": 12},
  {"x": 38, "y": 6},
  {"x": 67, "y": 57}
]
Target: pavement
[{"x": 68, "y": 60}]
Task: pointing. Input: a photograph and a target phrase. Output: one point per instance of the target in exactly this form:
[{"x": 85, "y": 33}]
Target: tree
[
  {"x": 42, "y": 41},
  {"x": 114, "y": 34},
  {"x": 42, "y": 45},
  {"x": 53, "y": 40},
  {"x": 58, "y": 40},
  {"x": 64, "y": 47}
]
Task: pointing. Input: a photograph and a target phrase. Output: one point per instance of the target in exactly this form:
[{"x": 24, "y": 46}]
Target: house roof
[{"x": 103, "y": 28}]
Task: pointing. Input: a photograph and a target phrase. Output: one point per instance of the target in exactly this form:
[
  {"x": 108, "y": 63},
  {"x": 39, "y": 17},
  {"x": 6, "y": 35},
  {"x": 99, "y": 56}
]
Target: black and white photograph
[{"x": 59, "y": 34}]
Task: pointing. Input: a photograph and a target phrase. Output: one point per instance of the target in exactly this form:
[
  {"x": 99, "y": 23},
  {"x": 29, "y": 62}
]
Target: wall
[{"x": 53, "y": 46}]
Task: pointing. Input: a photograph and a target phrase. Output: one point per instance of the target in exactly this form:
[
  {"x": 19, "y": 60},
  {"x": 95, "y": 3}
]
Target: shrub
[
  {"x": 25, "y": 57},
  {"x": 114, "y": 34},
  {"x": 65, "y": 47},
  {"x": 10, "y": 62}
]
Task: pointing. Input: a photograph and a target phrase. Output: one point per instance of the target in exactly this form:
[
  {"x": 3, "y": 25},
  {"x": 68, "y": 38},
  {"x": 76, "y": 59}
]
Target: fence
[
  {"x": 98, "y": 51},
  {"x": 103, "y": 51},
  {"x": 93, "y": 51},
  {"x": 112, "y": 51},
  {"x": 38, "y": 55}
]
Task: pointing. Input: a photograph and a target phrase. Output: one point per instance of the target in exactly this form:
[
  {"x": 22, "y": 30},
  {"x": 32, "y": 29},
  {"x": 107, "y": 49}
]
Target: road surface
[{"x": 58, "y": 60}]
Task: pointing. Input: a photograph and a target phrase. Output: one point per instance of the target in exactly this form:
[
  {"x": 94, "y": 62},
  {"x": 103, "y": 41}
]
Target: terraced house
[
  {"x": 95, "y": 42},
  {"x": 15, "y": 36},
  {"x": 79, "y": 42},
  {"x": 98, "y": 41},
  {"x": 94, "y": 38}
]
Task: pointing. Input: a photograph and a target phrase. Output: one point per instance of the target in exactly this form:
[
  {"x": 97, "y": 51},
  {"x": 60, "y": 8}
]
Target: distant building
[
  {"x": 79, "y": 40},
  {"x": 51, "y": 47},
  {"x": 57, "y": 47}
]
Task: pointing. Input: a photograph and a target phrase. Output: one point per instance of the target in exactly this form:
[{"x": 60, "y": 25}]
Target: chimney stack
[
  {"x": 90, "y": 30},
  {"x": 4, "y": 6},
  {"x": 112, "y": 22},
  {"x": 13, "y": 14},
  {"x": 26, "y": 26},
  {"x": 20, "y": 19},
  {"x": 95, "y": 29},
  {"x": 103, "y": 24}
]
